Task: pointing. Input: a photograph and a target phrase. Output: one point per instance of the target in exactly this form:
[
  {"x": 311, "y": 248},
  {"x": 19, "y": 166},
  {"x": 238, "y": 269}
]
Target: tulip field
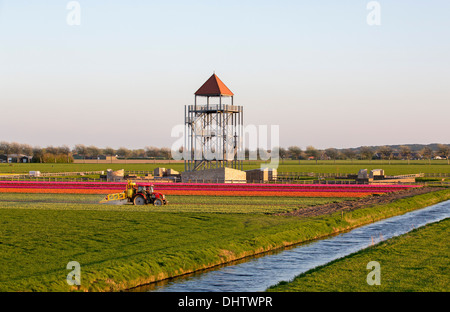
[
  {"x": 205, "y": 189},
  {"x": 185, "y": 197}
]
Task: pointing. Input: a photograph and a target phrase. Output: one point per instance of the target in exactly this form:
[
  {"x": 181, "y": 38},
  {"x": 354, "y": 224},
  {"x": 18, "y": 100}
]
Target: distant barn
[{"x": 15, "y": 158}]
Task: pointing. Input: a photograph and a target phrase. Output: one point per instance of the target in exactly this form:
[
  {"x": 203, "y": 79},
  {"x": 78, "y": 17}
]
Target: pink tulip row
[{"x": 210, "y": 186}]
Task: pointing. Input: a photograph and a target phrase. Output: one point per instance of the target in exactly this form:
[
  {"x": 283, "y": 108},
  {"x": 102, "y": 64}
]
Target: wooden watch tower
[{"x": 214, "y": 129}]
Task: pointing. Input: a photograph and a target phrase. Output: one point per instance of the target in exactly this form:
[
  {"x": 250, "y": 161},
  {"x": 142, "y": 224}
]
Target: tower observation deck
[{"x": 214, "y": 129}]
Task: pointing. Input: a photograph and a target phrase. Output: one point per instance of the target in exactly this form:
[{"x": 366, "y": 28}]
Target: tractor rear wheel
[
  {"x": 139, "y": 200},
  {"x": 158, "y": 202}
]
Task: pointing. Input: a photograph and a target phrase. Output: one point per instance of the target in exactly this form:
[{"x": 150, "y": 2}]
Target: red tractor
[
  {"x": 145, "y": 195},
  {"x": 141, "y": 194}
]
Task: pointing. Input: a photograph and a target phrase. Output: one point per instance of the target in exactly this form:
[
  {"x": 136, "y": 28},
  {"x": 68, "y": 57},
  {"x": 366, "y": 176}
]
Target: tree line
[
  {"x": 366, "y": 153},
  {"x": 64, "y": 154},
  {"x": 123, "y": 152}
]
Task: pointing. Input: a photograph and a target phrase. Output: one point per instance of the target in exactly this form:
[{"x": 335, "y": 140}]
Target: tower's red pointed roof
[{"x": 214, "y": 87}]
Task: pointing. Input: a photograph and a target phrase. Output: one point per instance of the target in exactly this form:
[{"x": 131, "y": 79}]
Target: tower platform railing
[{"x": 214, "y": 108}]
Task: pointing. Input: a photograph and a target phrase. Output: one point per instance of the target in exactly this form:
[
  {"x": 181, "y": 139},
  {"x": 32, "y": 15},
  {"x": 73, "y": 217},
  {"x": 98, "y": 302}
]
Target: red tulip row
[{"x": 204, "y": 188}]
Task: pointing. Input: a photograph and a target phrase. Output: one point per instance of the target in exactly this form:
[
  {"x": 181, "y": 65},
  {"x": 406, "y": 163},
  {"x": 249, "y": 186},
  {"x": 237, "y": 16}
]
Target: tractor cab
[
  {"x": 141, "y": 189},
  {"x": 145, "y": 189}
]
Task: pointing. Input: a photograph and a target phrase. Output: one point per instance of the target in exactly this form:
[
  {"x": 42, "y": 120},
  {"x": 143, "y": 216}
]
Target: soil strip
[{"x": 364, "y": 202}]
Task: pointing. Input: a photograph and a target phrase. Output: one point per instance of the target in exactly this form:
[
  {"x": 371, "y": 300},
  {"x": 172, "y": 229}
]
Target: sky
[{"x": 316, "y": 69}]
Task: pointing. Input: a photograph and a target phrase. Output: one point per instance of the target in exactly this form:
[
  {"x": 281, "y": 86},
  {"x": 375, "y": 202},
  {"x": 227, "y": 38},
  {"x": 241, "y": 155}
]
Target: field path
[{"x": 359, "y": 203}]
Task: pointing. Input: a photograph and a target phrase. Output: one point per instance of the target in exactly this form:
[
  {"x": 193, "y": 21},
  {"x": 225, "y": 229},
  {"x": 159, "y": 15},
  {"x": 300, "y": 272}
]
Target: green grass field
[
  {"x": 177, "y": 203},
  {"x": 417, "y": 261},
  {"x": 121, "y": 246},
  {"x": 341, "y": 166}
]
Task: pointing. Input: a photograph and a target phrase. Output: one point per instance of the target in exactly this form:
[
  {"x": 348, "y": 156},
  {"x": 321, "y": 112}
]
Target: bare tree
[
  {"x": 5, "y": 148},
  {"x": 165, "y": 152},
  {"x": 80, "y": 149},
  {"x": 405, "y": 151},
  {"x": 282, "y": 153},
  {"x": 138, "y": 153},
  {"x": 15, "y": 148},
  {"x": 366, "y": 152},
  {"x": 294, "y": 152},
  {"x": 38, "y": 154},
  {"x": 444, "y": 150},
  {"x": 427, "y": 153},
  {"x": 26, "y": 149},
  {"x": 51, "y": 150},
  {"x": 93, "y": 151},
  {"x": 311, "y": 151},
  {"x": 65, "y": 150},
  {"x": 151, "y": 151},
  {"x": 108, "y": 151},
  {"x": 386, "y": 152},
  {"x": 50, "y": 153},
  {"x": 124, "y": 152},
  {"x": 332, "y": 153},
  {"x": 349, "y": 154}
]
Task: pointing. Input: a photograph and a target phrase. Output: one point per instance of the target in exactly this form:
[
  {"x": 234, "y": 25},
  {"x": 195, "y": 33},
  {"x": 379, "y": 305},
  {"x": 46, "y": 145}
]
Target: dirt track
[{"x": 359, "y": 203}]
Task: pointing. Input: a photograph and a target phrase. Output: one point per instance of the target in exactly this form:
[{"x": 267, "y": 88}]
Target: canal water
[{"x": 259, "y": 273}]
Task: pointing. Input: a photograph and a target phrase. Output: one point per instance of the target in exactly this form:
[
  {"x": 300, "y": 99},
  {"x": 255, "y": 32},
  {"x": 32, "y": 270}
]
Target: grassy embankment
[
  {"x": 119, "y": 248},
  {"x": 416, "y": 261}
]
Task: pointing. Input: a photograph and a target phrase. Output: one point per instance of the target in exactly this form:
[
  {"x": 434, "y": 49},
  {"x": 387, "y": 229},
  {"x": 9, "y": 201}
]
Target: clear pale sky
[{"x": 315, "y": 68}]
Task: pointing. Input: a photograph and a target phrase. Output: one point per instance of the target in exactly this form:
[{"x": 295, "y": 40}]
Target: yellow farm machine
[{"x": 141, "y": 194}]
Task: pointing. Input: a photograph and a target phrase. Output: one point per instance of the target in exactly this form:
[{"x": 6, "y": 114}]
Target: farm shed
[
  {"x": 218, "y": 175},
  {"x": 261, "y": 175},
  {"x": 159, "y": 172}
]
